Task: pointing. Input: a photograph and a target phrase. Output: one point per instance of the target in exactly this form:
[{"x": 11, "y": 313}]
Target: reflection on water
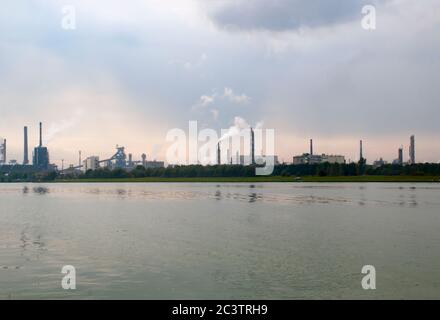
[
  {"x": 41, "y": 190},
  {"x": 283, "y": 193},
  {"x": 271, "y": 241}
]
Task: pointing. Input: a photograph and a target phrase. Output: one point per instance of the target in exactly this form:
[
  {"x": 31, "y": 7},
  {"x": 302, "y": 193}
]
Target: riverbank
[{"x": 265, "y": 179}]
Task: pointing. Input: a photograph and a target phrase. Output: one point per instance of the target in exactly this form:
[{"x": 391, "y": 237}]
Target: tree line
[
  {"x": 323, "y": 169},
  {"x": 194, "y": 171}
]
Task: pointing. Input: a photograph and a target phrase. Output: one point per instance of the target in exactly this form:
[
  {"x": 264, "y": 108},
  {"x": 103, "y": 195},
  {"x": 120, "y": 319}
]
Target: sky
[{"x": 131, "y": 71}]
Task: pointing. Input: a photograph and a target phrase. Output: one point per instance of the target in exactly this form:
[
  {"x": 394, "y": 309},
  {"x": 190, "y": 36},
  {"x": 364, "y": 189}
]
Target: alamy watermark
[
  {"x": 241, "y": 146},
  {"x": 369, "y": 280},
  {"x": 69, "y": 280},
  {"x": 68, "y": 19},
  {"x": 368, "y": 21}
]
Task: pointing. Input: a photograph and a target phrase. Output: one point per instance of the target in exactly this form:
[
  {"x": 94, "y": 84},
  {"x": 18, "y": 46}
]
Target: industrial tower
[
  {"x": 25, "y": 147},
  {"x": 412, "y": 150},
  {"x": 252, "y": 146},
  {"x": 41, "y": 154}
]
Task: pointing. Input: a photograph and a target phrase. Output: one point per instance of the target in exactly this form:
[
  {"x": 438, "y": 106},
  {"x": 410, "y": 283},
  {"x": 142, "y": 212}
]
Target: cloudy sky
[{"x": 132, "y": 70}]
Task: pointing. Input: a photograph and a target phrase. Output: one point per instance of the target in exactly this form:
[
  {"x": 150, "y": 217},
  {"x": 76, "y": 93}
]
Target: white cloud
[
  {"x": 227, "y": 95},
  {"x": 206, "y": 100},
  {"x": 237, "y": 98}
]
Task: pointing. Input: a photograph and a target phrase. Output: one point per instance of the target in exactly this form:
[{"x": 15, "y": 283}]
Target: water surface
[{"x": 220, "y": 240}]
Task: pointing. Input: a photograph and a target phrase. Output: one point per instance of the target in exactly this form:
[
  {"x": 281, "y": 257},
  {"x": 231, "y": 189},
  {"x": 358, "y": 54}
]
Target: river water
[{"x": 220, "y": 240}]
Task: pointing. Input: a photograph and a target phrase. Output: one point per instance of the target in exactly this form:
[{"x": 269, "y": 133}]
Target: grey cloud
[{"x": 282, "y": 15}]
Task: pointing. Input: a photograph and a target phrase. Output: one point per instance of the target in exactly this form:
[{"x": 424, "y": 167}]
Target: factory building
[
  {"x": 379, "y": 163},
  {"x": 332, "y": 158},
  {"x": 147, "y": 164},
  {"x": 310, "y": 158},
  {"x": 307, "y": 158},
  {"x": 154, "y": 164},
  {"x": 91, "y": 163},
  {"x": 258, "y": 160}
]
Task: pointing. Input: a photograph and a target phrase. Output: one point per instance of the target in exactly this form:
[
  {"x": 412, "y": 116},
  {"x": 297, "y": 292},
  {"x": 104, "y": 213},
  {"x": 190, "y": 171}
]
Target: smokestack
[
  {"x": 218, "y": 154},
  {"x": 361, "y": 156},
  {"x": 41, "y": 134},
  {"x": 252, "y": 146},
  {"x": 25, "y": 152},
  {"x": 311, "y": 147},
  {"x": 400, "y": 155},
  {"x": 4, "y": 151},
  {"x": 412, "y": 150}
]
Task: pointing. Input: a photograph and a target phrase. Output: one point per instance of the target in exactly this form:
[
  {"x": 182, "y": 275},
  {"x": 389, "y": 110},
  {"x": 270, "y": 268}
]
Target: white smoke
[
  {"x": 57, "y": 127},
  {"x": 239, "y": 125}
]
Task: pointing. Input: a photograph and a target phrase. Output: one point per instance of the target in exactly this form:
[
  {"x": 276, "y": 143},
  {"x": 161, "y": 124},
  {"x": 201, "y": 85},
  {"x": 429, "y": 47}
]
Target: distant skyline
[{"x": 130, "y": 72}]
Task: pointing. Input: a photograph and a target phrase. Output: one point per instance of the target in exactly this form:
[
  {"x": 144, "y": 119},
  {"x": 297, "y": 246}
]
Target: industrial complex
[
  {"x": 120, "y": 160},
  {"x": 41, "y": 161}
]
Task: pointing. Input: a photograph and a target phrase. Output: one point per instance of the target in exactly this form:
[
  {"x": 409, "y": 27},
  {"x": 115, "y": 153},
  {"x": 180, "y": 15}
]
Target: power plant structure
[
  {"x": 243, "y": 156},
  {"x": 311, "y": 158},
  {"x": 400, "y": 156},
  {"x": 219, "y": 161},
  {"x": 412, "y": 150},
  {"x": 252, "y": 146},
  {"x": 117, "y": 161},
  {"x": 2, "y": 151},
  {"x": 25, "y": 147},
  {"x": 41, "y": 154}
]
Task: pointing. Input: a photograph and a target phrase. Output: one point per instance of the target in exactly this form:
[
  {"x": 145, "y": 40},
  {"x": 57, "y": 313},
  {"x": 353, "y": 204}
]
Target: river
[{"x": 220, "y": 240}]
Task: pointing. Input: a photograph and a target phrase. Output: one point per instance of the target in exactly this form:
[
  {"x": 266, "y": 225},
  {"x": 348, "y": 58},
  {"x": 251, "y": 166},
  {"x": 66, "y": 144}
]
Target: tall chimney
[
  {"x": 361, "y": 156},
  {"x": 311, "y": 147},
  {"x": 41, "y": 134},
  {"x": 252, "y": 146},
  {"x": 4, "y": 151},
  {"x": 218, "y": 154},
  {"x": 25, "y": 152},
  {"x": 412, "y": 150}
]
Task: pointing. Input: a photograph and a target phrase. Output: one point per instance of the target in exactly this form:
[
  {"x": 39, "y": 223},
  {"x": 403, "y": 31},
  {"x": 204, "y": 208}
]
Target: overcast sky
[{"x": 132, "y": 70}]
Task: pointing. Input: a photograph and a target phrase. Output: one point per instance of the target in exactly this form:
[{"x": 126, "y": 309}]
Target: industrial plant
[
  {"x": 120, "y": 160},
  {"x": 40, "y": 157},
  {"x": 311, "y": 158},
  {"x": 246, "y": 160},
  {"x": 41, "y": 160}
]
